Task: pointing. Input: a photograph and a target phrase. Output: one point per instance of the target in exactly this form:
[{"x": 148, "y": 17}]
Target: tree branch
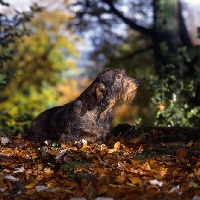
[
  {"x": 132, "y": 54},
  {"x": 127, "y": 20}
]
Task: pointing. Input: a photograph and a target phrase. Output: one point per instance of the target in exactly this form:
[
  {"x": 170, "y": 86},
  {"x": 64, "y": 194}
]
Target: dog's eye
[
  {"x": 119, "y": 76},
  {"x": 102, "y": 88}
]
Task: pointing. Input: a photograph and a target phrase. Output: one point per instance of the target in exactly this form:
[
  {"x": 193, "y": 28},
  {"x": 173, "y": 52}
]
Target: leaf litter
[{"x": 124, "y": 169}]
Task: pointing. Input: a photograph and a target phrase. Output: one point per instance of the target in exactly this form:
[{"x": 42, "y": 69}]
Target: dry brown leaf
[
  {"x": 102, "y": 179},
  {"x": 152, "y": 162},
  {"x": 197, "y": 165},
  {"x": 113, "y": 191},
  {"x": 181, "y": 153},
  {"x": 193, "y": 184},
  {"x": 90, "y": 193},
  {"x": 102, "y": 189},
  {"x": 135, "y": 180},
  {"x": 114, "y": 174},
  {"x": 100, "y": 170},
  {"x": 152, "y": 191},
  {"x": 30, "y": 191},
  {"x": 197, "y": 173},
  {"x": 120, "y": 179},
  {"x": 2, "y": 184},
  {"x": 146, "y": 166}
]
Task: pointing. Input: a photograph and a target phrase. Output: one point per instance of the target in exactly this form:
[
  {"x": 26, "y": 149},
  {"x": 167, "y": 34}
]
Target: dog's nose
[{"x": 137, "y": 82}]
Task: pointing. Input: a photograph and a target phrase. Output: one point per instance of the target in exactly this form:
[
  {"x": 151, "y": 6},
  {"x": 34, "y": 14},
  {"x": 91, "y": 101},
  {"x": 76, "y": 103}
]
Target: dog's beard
[{"x": 127, "y": 93}]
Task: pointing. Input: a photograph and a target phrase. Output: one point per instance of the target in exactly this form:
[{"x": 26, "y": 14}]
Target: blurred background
[{"x": 51, "y": 51}]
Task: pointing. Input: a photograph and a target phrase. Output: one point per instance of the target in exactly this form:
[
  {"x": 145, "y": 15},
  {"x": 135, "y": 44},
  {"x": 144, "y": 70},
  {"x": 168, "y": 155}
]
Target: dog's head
[{"x": 113, "y": 87}]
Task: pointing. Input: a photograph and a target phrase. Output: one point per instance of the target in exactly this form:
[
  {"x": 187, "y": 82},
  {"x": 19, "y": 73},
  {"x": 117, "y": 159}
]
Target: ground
[{"x": 137, "y": 163}]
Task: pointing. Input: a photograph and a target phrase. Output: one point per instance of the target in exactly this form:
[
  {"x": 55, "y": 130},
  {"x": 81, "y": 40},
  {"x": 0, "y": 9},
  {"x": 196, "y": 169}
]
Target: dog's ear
[{"x": 98, "y": 94}]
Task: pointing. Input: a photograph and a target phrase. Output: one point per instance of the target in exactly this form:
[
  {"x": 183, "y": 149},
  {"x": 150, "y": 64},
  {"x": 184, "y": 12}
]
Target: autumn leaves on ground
[{"x": 137, "y": 163}]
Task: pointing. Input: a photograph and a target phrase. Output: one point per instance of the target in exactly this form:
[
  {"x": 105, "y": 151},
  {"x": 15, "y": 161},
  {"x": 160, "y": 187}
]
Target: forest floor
[{"x": 136, "y": 163}]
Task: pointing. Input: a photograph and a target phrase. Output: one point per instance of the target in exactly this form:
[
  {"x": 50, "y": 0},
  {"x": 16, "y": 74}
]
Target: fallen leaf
[
  {"x": 11, "y": 178},
  {"x": 30, "y": 191},
  {"x": 90, "y": 193},
  {"x": 152, "y": 192},
  {"x": 102, "y": 189},
  {"x": 4, "y": 140},
  {"x": 196, "y": 197},
  {"x": 190, "y": 143},
  {"x": 48, "y": 172},
  {"x": 174, "y": 188},
  {"x": 112, "y": 150},
  {"x": 135, "y": 180},
  {"x": 2, "y": 184},
  {"x": 156, "y": 182},
  {"x": 181, "y": 153},
  {"x": 19, "y": 170},
  {"x": 31, "y": 185},
  {"x": 117, "y": 145},
  {"x": 197, "y": 173},
  {"x": 146, "y": 166},
  {"x": 3, "y": 189},
  {"x": 193, "y": 184},
  {"x": 61, "y": 153},
  {"x": 99, "y": 170},
  {"x": 120, "y": 179},
  {"x": 40, "y": 188}
]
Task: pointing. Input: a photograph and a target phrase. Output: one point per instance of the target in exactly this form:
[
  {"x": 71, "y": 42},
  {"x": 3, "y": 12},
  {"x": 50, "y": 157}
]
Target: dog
[{"x": 90, "y": 115}]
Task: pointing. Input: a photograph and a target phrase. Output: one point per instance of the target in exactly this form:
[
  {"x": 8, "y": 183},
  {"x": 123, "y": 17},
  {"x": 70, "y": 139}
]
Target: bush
[{"x": 170, "y": 99}]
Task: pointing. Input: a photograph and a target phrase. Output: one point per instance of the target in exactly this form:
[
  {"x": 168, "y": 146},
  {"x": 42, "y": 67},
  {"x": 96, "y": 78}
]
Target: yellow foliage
[
  {"x": 125, "y": 114},
  {"x": 38, "y": 64},
  {"x": 71, "y": 89}
]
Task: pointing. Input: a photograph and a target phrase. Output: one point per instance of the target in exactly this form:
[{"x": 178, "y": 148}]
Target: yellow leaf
[
  {"x": 34, "y": 156},
  {"x": 48, "y": 172},
  {"x": 135, "y": 180},
  {"x": 161, "y": 106},
  {"x": 117, "y": 145},
  {"x": 112, "y": 150},
  {"x": 190, "y": 143},
  {"x": 31, "y": 185},
  {"x": 146, "y": 166},
  {"x": 152, "y": 162},
  {"x": 159, "y": 172}
]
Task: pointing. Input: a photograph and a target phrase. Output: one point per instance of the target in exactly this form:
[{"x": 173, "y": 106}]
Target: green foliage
[
  {"x": 10, "y": 125},
  {"x": 12, "y": 28},
  {"x": 35, "y": 70},
  {"x": 171, "y": 108},
  {"x": 2, "y": 79}
]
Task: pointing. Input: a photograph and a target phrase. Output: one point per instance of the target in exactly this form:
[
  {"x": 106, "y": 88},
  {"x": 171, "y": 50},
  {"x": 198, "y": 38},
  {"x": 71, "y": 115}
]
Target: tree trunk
[{"x": 169, "y": 34}]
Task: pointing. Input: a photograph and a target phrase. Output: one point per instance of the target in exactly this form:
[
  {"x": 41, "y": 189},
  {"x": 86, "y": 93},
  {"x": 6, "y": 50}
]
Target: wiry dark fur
[{"x": 89, "y": 116}]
